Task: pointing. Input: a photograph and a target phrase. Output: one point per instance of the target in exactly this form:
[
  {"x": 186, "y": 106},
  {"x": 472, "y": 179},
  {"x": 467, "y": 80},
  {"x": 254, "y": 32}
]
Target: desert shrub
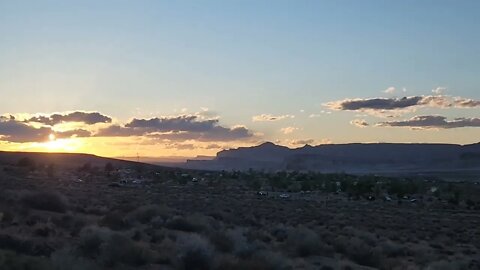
[
  {"x": 449, "y": 265},
  {"x": 45, "y": 200},
  {"x": 183, "y": 224},
  {"x": 146, "y": 213},
  {"x": 27, "y": 162},
  {"x": 304, "y": 242},
  {"x": 241, "y": 246},
  {"x": 13, "y": 261},
  {"x": 120, "y": 249},
  {"x": 74, "y": 224},
  {"x": 360, "y": 252},
  {"x": 260, "y": 261},
  {"x": 392, "y": 249},
  {"x": 115, "y": 220},
  {"x": 91, "y": 239},
  {"x": 65, "y": 259},
  {"x": 196, "y": 253},
  {"x": 280, "y": 232},
  {"x": 221, "y": 242},
  {"x": 240, "y": 264},
  {"x": 25, "y": 246}
]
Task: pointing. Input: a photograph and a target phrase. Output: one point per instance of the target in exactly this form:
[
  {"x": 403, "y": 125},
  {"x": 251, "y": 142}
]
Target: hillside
[{"x": 70, "y": 160}]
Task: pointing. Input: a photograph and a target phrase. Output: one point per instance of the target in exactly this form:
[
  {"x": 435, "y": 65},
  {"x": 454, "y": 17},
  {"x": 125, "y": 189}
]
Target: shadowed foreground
[{"x": 155, "y": 218}]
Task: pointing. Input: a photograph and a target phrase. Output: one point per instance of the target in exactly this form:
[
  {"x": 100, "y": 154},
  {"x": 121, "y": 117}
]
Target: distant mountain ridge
[{"x": 352, "y": 158}]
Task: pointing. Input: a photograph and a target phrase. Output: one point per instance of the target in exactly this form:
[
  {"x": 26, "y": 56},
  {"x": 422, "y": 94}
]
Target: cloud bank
[
  {"x": 433, "y": 122},
  {"x": 89, "y": 118},
  {"x": 390, "y": 104},
  {"x": 184, "y": 127},
  {"x": 12, "y": 130}
]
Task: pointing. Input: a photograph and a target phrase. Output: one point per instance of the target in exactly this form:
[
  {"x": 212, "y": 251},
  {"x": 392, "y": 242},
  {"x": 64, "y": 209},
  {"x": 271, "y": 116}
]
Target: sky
[{"x": 187, "y": 78}]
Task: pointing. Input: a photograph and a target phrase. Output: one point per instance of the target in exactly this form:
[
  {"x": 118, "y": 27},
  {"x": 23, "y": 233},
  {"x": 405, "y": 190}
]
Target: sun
[{"x": 59, "y": 145}]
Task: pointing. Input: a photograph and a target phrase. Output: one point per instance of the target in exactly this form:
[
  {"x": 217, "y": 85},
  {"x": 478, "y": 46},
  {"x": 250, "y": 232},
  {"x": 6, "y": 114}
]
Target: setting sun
[{"x": 60, "y": 145}]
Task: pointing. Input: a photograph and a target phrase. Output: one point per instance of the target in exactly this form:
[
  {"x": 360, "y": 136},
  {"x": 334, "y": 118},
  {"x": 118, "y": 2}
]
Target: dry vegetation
[{"x": 91, "y": 218}]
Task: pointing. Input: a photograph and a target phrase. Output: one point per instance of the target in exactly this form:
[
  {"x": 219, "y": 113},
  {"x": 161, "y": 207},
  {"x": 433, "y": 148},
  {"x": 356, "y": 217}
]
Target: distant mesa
[{"x": 358, "y": 158}]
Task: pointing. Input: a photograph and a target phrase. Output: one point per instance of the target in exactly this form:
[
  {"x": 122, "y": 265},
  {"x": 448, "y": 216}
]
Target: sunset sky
[{"x": 187, "y": 78}]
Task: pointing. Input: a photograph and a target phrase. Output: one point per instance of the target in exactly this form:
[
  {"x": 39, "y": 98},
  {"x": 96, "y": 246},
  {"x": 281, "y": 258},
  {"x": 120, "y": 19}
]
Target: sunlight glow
[{"x": 58, "y": 145}]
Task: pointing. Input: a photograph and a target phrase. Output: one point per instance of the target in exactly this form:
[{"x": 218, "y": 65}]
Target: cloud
[
  {"x": 184, "y": 127},
  {"x": 12, "y": 130},
  {"x": 374, "y": 103},
  {"x": 433, "y": 122},
  {"x": 269, "y": 117},
  {"x": 78, "y": 133},
  {"x": 195, "y": 127},
  {"x": 180, "y": 146},
  {"x": 302, "y": 142},
  {"x": 439, "y": 90},
  {"x": 466, "y": 103},
  {"x": 378, "y": 106},
  {"x": 89, "y": 118},
  {"x": 288, "y": 130},
  {"x": 119, "y": 131},
  {"x": 361, "y": 123},
  {"x": 213, "y": 146},
  {"x": 316, "y": 115},
  {"x": 390, "y": 90},
  {"x": 18, "y": 132},
  {"x": 178, "y": 123},
  {"x": 309, "y": 142}
]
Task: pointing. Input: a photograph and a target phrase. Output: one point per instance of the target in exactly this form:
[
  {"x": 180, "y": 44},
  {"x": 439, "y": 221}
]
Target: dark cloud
[
  {"x": 120, "y": 131},
  {"x": 89, "y": 118},
  {"x": 180, "y": 128},
  {"x": 217, "y": 133},
  {"x": 375, "y": 103},
  {"x": 179, "y": 123},
  {"x": 79, "y": 133},
  {"x": 432, "y": 122},
  {"x": 388, "y": 104},
  {"x": 213, "y": 146},
  {"x": 180, "y": 146},
  {"x": 12, "y": 130},
  {"x": 15, "y": 131}
]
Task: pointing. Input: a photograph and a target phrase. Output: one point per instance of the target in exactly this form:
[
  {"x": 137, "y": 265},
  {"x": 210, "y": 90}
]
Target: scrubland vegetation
[{"x": 141, "y": 218}]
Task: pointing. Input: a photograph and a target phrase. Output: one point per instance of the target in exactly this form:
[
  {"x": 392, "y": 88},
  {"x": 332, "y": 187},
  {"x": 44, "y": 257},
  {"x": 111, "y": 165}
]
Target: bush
[
  {"x": 145, "y": 214},
  {"x": 111, "y": 248},
  {"x": 222, "y": 242},
  {"x": 11, "y": 260},
  {"x": 120, "y": 249},
  {"x": 91, "y": 240},
  {"x": 182, "y": 224},
  {"x": 65, "y": 259},
  {"x": 115, "y": 220},
  {"x": 27, "y": 163},
  {"x": 44, "y": 200},
  {"x": 260, "y": 261},
  {"x": 196, "y": 253},
  {"x": 361, "y": 253},
  {"x": 304, "y": 242}
]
